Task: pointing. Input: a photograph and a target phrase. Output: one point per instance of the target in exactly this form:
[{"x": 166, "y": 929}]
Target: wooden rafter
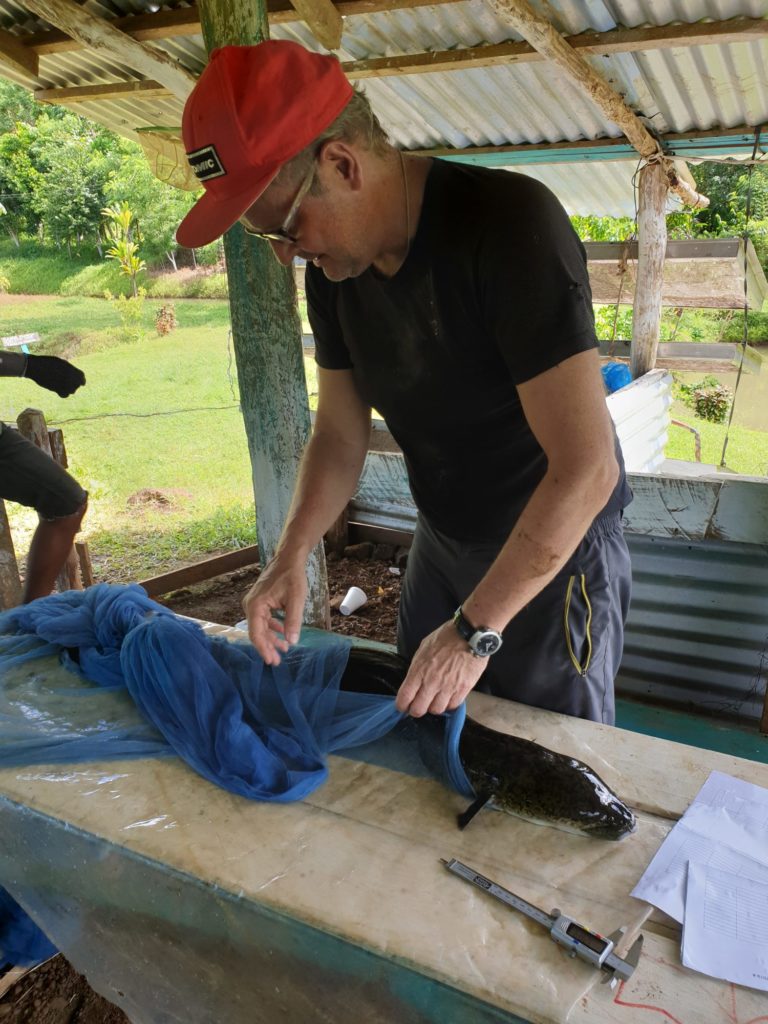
[
  {"x": 323, "y": 19},
  {"x": 15, "y": 55},
  {"x": 88, "y": 93},
  {"x": 153, "y": 90},
  {"x": 586, "y": 43},
  {"x": 102, "y": 37},
  {"x": 541, "y": 34},
  {"x": 186, "y": 21}
]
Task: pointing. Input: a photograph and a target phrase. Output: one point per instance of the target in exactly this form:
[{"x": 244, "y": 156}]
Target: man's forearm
[
  {"x": 549, "y": 530},
  {"x": 12, "y": 364},
  {"x": 327, "y": 479}
]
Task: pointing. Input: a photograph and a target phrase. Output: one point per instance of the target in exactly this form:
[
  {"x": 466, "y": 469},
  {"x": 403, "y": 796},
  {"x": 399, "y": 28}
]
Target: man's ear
[{"x": 341, "y": 162}]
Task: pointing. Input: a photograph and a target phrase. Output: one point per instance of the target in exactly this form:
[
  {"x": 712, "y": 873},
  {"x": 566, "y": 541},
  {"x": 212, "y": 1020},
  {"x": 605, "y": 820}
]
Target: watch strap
[{"x": 465, "y": 628}]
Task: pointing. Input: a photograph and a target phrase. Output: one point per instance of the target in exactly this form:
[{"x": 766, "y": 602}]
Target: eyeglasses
[{"x": 282, "y": 233}]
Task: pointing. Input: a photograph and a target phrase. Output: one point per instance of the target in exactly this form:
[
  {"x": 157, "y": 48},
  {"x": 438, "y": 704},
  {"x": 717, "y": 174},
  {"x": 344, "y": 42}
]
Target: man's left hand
[{"x": 442, "y": 673}]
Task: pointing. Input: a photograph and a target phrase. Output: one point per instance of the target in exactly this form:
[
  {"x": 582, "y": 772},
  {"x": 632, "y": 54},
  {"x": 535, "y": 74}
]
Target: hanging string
[{"x": 745, "y": 325}]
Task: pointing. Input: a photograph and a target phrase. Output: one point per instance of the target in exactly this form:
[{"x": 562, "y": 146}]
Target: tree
[
  {"x": 125, "y": 248},
  {"x": 158, "y": 208},
  {"x": 75, "y": 167},
  {"x": 16, "y": 105},
  {"x": 20, "y": 181}
]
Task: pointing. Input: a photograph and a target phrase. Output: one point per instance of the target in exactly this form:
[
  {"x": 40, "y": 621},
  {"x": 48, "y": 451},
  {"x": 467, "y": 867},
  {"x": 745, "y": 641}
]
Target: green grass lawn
[
  {"x": 161, "y": 415},
  {"x": 747, "y": 450}
]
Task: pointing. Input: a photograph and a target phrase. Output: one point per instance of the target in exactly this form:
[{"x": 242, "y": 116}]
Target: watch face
[{"x": 486, "y": 643}]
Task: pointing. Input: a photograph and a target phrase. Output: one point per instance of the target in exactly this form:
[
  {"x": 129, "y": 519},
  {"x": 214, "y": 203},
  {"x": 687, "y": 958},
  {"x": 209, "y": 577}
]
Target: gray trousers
[{"x": 562, "y": 651}]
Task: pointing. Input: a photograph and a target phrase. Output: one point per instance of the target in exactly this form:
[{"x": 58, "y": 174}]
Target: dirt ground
[{"x": 54, "y": 993}]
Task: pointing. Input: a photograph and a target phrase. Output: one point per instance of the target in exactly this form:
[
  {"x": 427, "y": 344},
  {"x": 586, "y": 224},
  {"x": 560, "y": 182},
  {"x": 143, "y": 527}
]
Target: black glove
[{"x": 55, "y": 374}]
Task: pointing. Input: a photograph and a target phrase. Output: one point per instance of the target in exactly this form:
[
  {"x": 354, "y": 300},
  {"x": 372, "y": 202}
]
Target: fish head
[{"x": 598, "y": 812}]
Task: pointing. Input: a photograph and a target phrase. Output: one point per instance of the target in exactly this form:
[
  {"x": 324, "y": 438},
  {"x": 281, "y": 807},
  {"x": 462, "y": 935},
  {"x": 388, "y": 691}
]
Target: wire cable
[{"x": 745, "y": 327}]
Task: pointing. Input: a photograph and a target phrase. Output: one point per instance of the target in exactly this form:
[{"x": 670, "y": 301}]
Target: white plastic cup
[{"x": 353, "y": 599}]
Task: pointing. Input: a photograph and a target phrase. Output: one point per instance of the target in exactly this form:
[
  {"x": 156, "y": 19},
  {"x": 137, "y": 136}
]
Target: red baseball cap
[{"x": 252, "y": 110}]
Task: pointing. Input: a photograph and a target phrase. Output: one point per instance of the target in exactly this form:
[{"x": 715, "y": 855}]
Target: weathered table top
[{"x": 360, "y": 859}]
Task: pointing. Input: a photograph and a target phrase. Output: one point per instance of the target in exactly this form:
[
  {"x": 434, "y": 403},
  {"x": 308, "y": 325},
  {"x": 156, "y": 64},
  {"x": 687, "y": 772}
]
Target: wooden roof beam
[
  {"x": 135, "y": 90},
  {"x": 587, "y": 43},
  {"x": 541, "y": 34},
  {"x": 14, "y": 54},
  {"x": 323, "y": 20},
  {"x": 186, "y": 22},
  {"x": 103, "y": 38}
]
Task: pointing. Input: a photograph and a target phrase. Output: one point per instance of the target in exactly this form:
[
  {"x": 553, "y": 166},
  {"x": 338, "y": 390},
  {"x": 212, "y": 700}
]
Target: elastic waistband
[{"x": 605, "y": 525}]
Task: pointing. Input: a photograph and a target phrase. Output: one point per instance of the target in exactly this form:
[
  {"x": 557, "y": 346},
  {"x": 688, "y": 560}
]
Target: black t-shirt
[{"x": 493, "y": 292}]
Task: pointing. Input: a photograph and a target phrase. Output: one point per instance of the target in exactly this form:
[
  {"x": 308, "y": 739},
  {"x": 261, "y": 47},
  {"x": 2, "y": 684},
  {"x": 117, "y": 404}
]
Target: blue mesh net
[
  {"x": 261, "y": 731},
  {"x": 143, "y": 682}
]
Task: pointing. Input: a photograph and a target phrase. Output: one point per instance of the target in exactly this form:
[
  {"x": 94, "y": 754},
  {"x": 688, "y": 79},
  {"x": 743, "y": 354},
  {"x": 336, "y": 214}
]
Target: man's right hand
[
  {"x": 54, "y": 374},
  {"x": 282, "y": 586}
]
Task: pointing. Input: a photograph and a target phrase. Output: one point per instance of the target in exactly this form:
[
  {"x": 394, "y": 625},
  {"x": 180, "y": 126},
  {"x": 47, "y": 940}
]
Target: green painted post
[{"x": 266, "y": 329}]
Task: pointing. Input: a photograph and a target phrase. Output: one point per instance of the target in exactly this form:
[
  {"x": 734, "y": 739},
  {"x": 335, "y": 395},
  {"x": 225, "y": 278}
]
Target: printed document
[{"x": 716, "y": 857}]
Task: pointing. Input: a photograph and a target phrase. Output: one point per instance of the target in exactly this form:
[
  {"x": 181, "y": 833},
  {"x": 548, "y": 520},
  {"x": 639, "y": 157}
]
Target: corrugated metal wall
[{"x": 698, "y": 626}]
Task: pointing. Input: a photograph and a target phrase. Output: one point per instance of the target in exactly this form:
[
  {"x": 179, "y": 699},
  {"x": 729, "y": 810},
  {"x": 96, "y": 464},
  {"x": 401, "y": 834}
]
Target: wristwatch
[{"x": 482, "y": 641}]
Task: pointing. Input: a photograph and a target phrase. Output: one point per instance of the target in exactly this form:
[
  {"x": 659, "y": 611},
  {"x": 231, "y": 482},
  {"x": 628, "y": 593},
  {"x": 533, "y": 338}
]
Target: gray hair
[{"x": 356, "y": 123}]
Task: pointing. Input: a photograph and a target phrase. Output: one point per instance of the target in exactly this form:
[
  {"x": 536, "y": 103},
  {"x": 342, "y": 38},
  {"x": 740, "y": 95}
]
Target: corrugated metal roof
[{"x": 679, "y": 89}]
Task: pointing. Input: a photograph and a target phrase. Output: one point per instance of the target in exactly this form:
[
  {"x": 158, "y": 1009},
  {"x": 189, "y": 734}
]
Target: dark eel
[{"x": 508, "y": 772}]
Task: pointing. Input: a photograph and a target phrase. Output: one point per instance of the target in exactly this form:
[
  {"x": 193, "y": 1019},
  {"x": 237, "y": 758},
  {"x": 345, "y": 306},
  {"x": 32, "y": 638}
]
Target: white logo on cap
[{"x": 206, "y": 164}]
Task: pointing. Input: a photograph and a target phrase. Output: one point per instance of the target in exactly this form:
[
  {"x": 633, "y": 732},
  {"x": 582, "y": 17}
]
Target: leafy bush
[
  {"x": 713, "y": 403},
  {"x": 708, "y": 398},
  {"x": 130, "y": 309},
  {"x": 165, "y": 319}
]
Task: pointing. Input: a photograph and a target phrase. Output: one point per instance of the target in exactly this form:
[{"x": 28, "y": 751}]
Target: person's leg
[
  {"x": 51, "y": 544},
  {"x": 563, "y": 650},
  {"x": 428, "y": 595},
  {"x": 31, "y": 477}
]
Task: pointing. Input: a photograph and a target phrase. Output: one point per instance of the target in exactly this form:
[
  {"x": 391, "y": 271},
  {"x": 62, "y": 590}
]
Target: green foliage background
[{"x": 158, "y": 414}]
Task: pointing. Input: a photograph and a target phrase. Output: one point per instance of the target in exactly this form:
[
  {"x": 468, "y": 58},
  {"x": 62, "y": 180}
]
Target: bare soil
[{"x": 54, "y": 992}]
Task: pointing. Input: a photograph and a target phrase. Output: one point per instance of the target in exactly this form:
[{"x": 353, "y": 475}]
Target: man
[
  {"x": 455, "y": 301},
  {"x": 31, "y": 477}
]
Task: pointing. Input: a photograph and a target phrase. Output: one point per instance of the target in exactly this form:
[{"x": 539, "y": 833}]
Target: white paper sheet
[
  {"x": 726, "y": 925},
  {"x": 726, "y": 823}
]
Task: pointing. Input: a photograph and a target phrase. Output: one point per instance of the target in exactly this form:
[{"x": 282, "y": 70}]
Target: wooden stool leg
[{"x": 10, "y": 584}]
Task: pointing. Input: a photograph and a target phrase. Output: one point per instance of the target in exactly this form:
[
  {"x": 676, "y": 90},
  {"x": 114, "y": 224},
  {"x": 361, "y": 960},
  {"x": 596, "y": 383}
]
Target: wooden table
[{"x": 181, "y": 902}]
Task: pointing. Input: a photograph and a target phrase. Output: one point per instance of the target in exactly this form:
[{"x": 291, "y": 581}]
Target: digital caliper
[{"x": 589, "y": 946}]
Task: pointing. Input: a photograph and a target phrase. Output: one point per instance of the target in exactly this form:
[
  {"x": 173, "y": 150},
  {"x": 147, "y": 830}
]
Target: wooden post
[
  {"x": 266, "y": 331},
  {"x": 651, "y": 248},
  {"x": 10, "y": 585},
  {"x": 31, "y": 424},
  {"x": 84, "y": 558},
  {"x": 70, "y": 577}
]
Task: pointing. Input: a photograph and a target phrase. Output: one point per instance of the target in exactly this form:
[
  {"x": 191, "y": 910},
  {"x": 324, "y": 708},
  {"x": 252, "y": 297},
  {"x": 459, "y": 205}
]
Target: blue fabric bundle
[{"x": 263, "y": 732}]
